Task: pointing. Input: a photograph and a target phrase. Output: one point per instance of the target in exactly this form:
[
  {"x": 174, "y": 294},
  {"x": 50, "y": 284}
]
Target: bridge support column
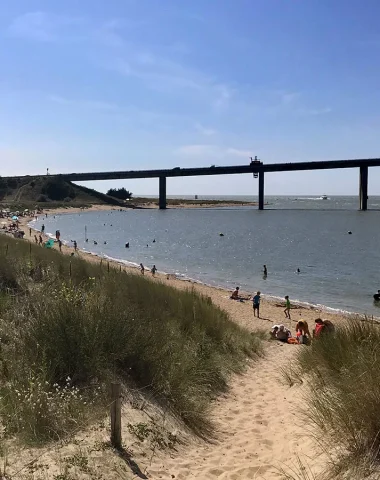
[
  {"x": 363, "y": 188},
  {"x": 162, "y": 193},
  {"x": 261, "y": 190}
]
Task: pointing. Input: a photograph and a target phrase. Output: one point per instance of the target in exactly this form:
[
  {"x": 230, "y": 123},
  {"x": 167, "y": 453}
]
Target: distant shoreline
[{"x": 137, "y": 204}]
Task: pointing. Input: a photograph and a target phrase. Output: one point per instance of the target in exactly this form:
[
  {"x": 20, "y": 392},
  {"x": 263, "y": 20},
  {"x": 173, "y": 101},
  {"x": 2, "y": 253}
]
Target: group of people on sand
[
  {"x": 256, "y": 300},
  {"x": 302, "y": 334}
]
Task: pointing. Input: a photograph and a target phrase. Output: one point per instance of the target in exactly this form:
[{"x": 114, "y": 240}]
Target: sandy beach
[{"x": 258, "y": 428}]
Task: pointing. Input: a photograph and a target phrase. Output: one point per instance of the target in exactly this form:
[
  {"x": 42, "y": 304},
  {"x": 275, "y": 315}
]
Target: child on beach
[
  {"x": 142, "y": 269},
  {"x": 154, "y": 270},
  {"x": 235, "y": 294},
  {"x": 287, "y": 307},
  {"x": 302, "y": 332},
  {"x": 256, "y": 304}
]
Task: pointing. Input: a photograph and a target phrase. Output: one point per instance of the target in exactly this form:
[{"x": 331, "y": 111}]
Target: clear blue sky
[{"x": 129, "y": 84}]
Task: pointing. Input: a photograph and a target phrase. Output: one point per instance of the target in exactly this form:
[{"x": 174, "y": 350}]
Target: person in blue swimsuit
[{"x": 256, "y": 304}]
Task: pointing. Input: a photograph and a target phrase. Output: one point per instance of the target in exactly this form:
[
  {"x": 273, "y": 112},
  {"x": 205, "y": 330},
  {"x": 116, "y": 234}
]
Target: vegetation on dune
[
  {"x": 343, "y": 400},
  {"x": 51, "y": 190},
  {"x": 63, "y": 338}
]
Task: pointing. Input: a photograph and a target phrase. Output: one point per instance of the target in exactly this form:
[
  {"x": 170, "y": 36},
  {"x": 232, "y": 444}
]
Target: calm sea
[{"x": 338, "y": 270}]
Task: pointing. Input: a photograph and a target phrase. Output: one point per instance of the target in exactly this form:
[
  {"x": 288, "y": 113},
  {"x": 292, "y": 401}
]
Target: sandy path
[{"x": 257, "y": 430}]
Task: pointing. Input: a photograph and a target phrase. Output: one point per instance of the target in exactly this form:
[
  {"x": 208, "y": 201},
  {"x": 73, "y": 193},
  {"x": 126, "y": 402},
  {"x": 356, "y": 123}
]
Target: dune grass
[
  {"x": 63, "y": 338},
  {"x": 343, "y": 399}
]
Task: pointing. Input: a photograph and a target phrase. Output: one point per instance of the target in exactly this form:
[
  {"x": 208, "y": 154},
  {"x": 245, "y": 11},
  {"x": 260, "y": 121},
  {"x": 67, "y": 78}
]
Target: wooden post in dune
[
  {"x": 116, "y": 415},
  {"x": 70, "y": 268},
  {"x": 108, "y": 267},
  {"x": 120, "y": 268},
  {"x": 30, "y": 251}
]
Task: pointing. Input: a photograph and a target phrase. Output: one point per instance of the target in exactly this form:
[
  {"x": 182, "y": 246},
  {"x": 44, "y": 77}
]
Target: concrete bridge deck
[{"x": 256, "y": 167}]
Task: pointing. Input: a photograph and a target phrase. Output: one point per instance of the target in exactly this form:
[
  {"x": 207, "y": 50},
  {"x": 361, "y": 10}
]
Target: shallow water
[{"x": 338, "y": 270}]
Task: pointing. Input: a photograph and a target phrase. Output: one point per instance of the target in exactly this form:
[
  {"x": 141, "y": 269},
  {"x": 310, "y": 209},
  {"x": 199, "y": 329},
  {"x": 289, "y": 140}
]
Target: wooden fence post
[
  {"x": 116, "y": 415},
  {"x": 70, "y": 268},
  {"x": 120, "y": 268},
  {"x": 30, "y": 250},
  {"x": 108, "y": 267}
]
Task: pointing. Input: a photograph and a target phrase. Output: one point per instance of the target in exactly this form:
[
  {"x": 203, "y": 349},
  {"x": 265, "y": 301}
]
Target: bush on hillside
[
  {"x": 120, "y": 193},
  {"x": 344, "y": 394},
  {"x": 96, "y": 325}
]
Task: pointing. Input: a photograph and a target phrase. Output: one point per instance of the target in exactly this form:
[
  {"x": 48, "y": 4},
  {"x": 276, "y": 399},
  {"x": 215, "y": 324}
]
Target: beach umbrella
[{"x": 15, "y": 217}]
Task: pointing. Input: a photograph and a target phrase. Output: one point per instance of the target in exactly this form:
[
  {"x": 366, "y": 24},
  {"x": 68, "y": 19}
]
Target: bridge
[{"x": 256, "y": 167}]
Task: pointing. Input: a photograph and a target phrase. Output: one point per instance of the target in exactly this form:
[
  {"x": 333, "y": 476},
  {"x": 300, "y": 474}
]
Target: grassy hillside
[
  {"x": 68, "y": 327},
  {"x": 50, "y": 191}
]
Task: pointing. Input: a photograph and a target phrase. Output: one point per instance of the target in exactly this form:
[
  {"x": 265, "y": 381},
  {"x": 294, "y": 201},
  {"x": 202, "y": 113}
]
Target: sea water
[{"x": 338, "y": 270}]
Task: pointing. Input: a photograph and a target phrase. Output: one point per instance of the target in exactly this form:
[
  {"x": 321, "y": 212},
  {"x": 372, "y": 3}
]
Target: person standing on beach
[
  {"x": 75, "y": 245},
  {"x": 287, "y": 307},
  {"x": 40, "y": 240},
  {"x": 142, "y": 269},
  {"x": 36, "y": 239},
  {"x": 256, "y": 304},
  {"x": 30, "y": 232},
  {"x": 43, "y": 228},
  {"x": 154, "y": 270}
]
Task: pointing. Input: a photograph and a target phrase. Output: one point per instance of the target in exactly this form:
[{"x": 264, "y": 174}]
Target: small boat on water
[{"x": 324, "y": 197}]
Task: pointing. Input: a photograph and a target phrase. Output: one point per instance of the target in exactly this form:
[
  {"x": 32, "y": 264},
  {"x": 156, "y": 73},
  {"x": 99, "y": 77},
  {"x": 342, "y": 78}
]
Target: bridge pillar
[
  {"x": 363, "y": 188},
  {"x": 261, "y": 190},
  {"x": 162, "y": 193}
]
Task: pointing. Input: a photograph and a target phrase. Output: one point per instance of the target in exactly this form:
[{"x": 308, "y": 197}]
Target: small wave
[
  {"x": 309, "y": 198},
  {"x": 311, "y": 306}
]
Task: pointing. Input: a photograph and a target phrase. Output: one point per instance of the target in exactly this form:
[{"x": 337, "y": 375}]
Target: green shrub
[
  {"x": 344, "y": 394},
  {"x": 96, "y": 325}
]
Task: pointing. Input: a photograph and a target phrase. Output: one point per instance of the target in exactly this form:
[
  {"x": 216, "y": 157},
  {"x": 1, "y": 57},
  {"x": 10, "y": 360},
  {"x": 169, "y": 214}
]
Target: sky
[{"x": 92, "y": 85}]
